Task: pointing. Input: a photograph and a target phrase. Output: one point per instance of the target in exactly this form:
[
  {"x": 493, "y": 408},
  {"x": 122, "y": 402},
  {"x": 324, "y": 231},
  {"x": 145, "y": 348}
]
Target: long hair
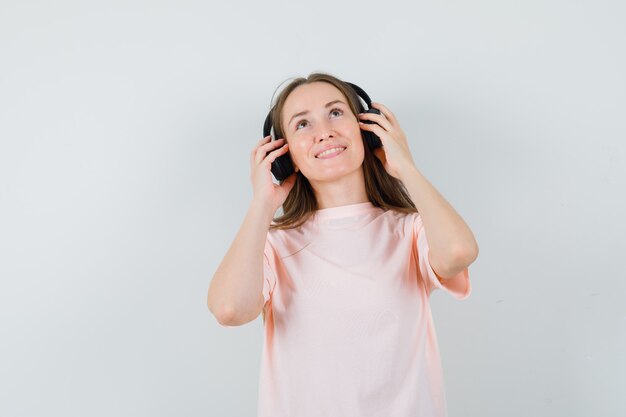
[{"x": 382, "y": 189}]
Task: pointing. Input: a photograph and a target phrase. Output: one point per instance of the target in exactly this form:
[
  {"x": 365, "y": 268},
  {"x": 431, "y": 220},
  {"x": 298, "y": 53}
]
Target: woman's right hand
[{"x": 264, "y": 189}]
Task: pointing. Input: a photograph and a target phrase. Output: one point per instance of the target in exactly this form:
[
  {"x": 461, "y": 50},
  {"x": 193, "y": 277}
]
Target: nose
[{"x": 324, "y": 131}]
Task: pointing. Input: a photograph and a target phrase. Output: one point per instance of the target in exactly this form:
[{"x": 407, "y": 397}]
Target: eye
[
  {"x": 336, "y": 110},
  {"x": 299, "y": 123}
]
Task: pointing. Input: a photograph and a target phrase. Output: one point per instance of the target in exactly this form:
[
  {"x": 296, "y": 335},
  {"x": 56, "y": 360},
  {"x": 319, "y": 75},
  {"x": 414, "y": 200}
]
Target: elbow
[
  {"x": 222, "y": 314},
  {"x": 225, "y": 317},
  {"x": 465, "y": 254},
  {"x": 230, "y": 318},
  {"x": 472, "y": 253},
  {"x": 457, "y": 261},
  {"x": 464, "y": 257}
]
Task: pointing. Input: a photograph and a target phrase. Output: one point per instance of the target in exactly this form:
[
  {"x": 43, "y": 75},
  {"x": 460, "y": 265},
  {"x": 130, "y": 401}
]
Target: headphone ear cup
[
  {"x": 282, "y": 167},
  {"x": 372, "y": 140}
]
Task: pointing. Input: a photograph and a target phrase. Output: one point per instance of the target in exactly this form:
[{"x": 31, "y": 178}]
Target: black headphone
[{"x": 282, "y": 167}]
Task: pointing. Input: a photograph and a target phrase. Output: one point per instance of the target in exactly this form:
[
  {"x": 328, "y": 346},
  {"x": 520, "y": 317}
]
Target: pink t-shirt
[{"x": 348, "y": 329}]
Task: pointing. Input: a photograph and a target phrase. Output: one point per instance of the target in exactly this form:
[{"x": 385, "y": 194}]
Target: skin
[{"x": 336, "y": 181}]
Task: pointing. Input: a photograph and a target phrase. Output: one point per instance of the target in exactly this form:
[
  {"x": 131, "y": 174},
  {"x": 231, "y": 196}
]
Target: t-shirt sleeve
[
  {"x": 269, "y": 268},
  {"x": 459, "y": 285}
]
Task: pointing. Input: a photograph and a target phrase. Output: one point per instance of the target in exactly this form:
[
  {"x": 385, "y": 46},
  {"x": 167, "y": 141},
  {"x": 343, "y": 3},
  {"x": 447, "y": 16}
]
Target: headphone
[{"x": 282, "y": 167}]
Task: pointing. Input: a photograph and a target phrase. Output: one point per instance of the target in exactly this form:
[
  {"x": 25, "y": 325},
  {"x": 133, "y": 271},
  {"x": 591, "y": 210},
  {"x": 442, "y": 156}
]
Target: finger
[
  {"x": 268, "y": 145},
  {"x": 378, "y": 118},
  {"x": 262, "y": 151},
  {"x": 256, "y": 147},
  {"x": 276, "y": 153},
  {"x": 379, "y": 131},
  {"x": 384, "y": 110},
  {"x": 273, "y": 143},
  {"x": 266, "y": 139}
]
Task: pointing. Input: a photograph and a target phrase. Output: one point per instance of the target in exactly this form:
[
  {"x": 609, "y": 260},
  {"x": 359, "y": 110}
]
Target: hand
[
  {"x": 264, "y": 190},
  {"x": 394, "y": 154}
]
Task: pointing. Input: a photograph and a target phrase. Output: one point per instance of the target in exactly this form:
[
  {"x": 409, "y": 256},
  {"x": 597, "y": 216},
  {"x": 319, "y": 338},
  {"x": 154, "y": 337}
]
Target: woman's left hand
[{"x": 394, "y": 154}]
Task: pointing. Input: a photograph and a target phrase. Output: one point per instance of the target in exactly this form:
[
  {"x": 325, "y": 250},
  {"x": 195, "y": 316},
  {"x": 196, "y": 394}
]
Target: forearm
[
  {"x": 451, "y": 242},
  {"x": 238, "y": 282}
]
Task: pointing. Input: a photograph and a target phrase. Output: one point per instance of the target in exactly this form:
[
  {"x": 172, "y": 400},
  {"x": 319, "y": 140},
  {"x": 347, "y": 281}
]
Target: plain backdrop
[{"x": 126, "y": 129}]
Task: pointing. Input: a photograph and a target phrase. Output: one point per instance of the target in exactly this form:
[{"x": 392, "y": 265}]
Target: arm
[
  {"x": 236, "y": 290},
  {"x": 451, "y": 242}
]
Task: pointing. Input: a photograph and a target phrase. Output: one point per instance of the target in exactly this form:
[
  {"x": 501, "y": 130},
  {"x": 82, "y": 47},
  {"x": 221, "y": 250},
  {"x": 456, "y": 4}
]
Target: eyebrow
[{"x": 330, "y": 103}]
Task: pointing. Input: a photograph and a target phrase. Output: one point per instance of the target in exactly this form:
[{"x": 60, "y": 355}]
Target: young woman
[{"x": 343, "y": 276}]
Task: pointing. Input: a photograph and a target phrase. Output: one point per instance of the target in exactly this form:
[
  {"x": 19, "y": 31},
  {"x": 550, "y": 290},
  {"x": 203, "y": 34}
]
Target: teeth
[{"x": 328, "y": 151}]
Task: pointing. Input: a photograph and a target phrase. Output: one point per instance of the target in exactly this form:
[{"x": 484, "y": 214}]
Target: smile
[{"x": 331, "y": 153}]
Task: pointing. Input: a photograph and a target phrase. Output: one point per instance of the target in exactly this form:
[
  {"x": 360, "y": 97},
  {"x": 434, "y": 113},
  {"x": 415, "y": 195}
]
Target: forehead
[{"x": 307, "y": 96}]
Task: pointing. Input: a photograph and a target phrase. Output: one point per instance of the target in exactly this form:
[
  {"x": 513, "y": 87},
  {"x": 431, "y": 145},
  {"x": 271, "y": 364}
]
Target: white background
[{"x": 125, "y": 134}]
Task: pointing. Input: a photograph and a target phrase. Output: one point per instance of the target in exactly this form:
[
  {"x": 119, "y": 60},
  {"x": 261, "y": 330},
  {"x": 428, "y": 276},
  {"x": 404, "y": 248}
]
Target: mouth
[{"x": 330, "y": 153}]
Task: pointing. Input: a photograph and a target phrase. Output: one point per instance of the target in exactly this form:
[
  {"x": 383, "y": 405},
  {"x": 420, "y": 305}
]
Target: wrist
[
  {"x": 408, "y": 171},
  {"x": 262, "y": 209}
]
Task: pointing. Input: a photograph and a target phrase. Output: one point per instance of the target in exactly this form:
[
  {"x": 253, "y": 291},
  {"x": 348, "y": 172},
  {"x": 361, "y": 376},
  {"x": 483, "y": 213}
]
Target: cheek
[
  {"x": 297, "y": 150},
  {"x": 352, "y": 125}
]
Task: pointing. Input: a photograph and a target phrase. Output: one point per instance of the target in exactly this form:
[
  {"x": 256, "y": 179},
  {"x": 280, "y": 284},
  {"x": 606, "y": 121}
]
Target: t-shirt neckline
[{"x": 344, "y": 211}]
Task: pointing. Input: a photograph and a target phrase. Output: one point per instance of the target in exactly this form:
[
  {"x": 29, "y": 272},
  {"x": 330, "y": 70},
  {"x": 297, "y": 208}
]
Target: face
[{"x": 316, "y": 116}]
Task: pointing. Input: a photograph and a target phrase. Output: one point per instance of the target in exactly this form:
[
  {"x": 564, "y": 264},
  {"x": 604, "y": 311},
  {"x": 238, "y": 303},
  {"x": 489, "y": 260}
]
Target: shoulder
[
  {"x": 401, "y": 216},
  {"x": 396, "y": 222},
  {"x": 286, "y": 242}
]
